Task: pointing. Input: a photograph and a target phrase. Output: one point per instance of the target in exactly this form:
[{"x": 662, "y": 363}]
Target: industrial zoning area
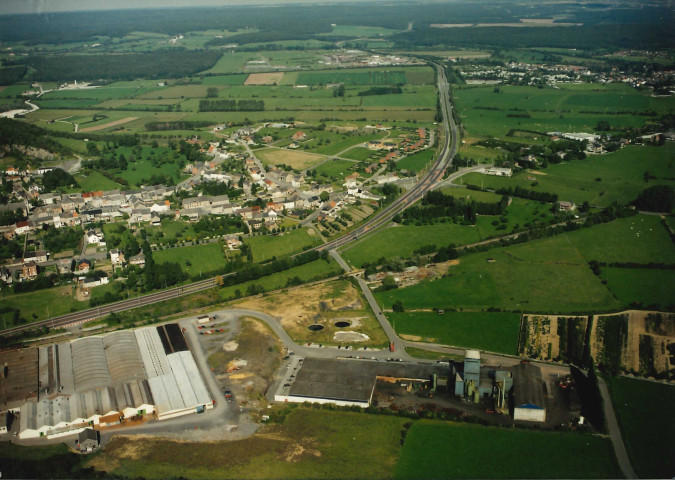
[{"x": 75, "y": 390}]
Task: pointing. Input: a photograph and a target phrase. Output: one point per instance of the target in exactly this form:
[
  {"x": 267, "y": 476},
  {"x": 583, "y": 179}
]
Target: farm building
[
  {"x": 528, "y": 393},
  {"x": 100, "y": 381}
]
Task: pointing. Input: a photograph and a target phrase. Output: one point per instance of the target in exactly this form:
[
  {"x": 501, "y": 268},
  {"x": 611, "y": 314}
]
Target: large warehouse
[
  {"x": 528, "y": 393},
  {"x": 102, "y": 380},
  {"x": 346, "y": 381}
]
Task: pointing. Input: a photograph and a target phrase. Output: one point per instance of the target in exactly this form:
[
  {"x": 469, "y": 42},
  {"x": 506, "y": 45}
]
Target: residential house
[
  {"x": 164, "y": 206},
  {"x": 196, "y": 202},
  {"x": 23, "y": 227},
  {"x": 38, "y": 256},
  {"x": 15, "y": 206},
  {"x": 299, "y": 136},
  {"x": 499, "y": 172},
  {"x": 116, "y": 256},
  {"x": 232, "y": 242},
  {"x": 137, "y": 260},
  {"x": 29, "y": 271},
  {"x": 5, "y": 274},
  {"x": 140, "y": 215},
  {"x": 95, "y": 237},
  {"x": 83, "y": 266},
  {"x": 566, "y": 206}
]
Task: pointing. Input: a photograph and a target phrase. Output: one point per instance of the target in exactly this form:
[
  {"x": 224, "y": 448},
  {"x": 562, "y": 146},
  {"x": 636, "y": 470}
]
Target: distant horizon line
[{"x": 43, "y": 7}]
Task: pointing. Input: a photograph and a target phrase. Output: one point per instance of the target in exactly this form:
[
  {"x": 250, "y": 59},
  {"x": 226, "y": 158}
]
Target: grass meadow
[
  {"x": 310, "y": 443},
  {"x": 647, "y": 424},
  {"x": 41, "y": 304},
  {"x": 306, "y": 273},
  {"x": 650, "y": 287},
  {"x": 265, "y": 247},
  {"x": 490, "y": 331},
  {"x": 599, "y": 179},
  {"x": 549, "y": 454},
  {"x": 195, "y": 260},
  {"x": 542, "y": 275}
]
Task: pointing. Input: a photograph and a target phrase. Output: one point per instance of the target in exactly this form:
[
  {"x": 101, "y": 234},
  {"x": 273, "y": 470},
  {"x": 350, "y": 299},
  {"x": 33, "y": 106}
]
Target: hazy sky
[{"x": 41, "y": 6}]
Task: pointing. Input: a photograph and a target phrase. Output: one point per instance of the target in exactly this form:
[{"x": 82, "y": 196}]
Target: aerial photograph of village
[{"x": 346, "y": 239}]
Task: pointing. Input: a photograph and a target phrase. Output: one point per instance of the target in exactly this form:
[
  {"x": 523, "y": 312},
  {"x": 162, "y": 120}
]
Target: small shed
[{"x": 88, "y": 440}]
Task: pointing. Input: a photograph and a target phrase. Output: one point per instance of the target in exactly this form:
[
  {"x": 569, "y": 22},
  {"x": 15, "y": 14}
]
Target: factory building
[
  {"x": 101, "y": 381},
  {"x": 522, "y": 382},
  {"x": 350, "y": 382}
]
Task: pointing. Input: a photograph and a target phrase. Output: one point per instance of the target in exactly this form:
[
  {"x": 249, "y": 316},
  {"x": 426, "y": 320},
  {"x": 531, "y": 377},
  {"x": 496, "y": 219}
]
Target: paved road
[{"x": 615, "y": 432}]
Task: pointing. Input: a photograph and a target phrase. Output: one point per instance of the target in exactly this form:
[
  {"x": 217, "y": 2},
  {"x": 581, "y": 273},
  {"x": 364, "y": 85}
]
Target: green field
[
  {"x": 641, "y": 285},
  {"x": 542, "y": 275},
  {"x": 493, "y": 332},
  {"x": 638, "y": 239},
  {"x": 358, "y": 153},
  {"x": 225, "y": 79},
  {"x": 508, "y": 453},
  {"x": 95, "y": 181},
  {"x": 599, "y": 179},
  {"x": 195, "y": 260},
  {"x": 569, "y": 108},
  {"x": 265, "y": 247},
  {"x": 403, "y": 240},
  {"x": 308, "y": 272},
  {"x": 335, "y": 169},
  {"x": 352, "y": 77},
  {"x": 42, "y": 304},
  {"x": 170, "y": 231},
  {"x": 648, "y": 428},
  {"x": 416, "y": 161},
  {"x": 329, "y": 445},
  {"x": 359, "y": 31},
  {"x": 550, "y": 273}
]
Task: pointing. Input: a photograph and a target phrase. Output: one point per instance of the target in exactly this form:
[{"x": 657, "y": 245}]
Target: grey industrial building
[
  {"x": 102, "y": 380},
  {"x": 528, "y": 393},
  {"x": 348, "y": 381}
]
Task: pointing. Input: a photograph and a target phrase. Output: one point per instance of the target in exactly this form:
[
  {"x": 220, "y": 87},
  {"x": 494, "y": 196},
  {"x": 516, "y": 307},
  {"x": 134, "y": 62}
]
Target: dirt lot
[
  {"x": 643, "y": 331},
  {"x": 108, "y": 125},
  {"x": 244, "y": 359},
  {"x": 647, "y": 348},
  {"x": 20, "y": 382},
  {"x": 324, "y": 305},
  {"x": 415, "y": 275},
  {"x": 264, "y": 78}
]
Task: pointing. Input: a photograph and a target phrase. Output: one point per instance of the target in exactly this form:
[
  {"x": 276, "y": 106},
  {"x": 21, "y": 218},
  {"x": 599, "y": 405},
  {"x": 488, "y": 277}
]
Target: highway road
[{"x": 448, "y": 151}]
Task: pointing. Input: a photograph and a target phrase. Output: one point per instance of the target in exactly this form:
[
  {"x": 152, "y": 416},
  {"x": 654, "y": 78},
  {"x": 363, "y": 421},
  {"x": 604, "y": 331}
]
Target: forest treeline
[
  {"x": 128, "y": 66},
  {"x": 309, "y": 19}
]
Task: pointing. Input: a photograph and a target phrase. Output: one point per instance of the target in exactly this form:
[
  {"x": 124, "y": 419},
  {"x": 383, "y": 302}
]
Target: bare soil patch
[
  {"x": 108, "y": 125},
  {"x": 250, "y": 360},
  {"x": 321, "y": 304},
  {"x": 264, "y": 78}
]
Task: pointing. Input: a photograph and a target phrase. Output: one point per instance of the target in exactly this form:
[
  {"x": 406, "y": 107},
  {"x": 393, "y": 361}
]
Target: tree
[
  {"x": 389, "y": 283},
  {"x": 657, "y": 198},
  {"x": 212, "y": 92},
  {"x": 398, "y": 306},
  {"x": 323, "y": 196},
  {"x": 57, "y": 178}
]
